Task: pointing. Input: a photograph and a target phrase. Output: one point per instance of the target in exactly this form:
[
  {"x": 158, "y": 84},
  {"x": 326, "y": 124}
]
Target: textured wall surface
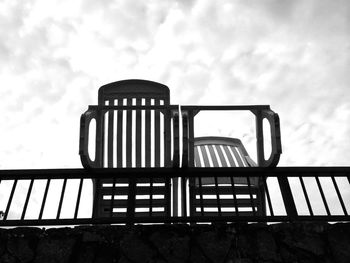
[{"x": 285, "y": 242}]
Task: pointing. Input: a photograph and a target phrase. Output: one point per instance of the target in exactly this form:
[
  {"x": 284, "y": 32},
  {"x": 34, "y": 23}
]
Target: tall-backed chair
[{"x": 133, "y": 122}]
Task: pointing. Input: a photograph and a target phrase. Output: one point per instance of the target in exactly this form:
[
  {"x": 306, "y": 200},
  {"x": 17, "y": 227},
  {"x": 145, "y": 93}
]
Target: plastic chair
[
  {"x": 224, "y": 196},
  {"x": 128, "y": 135}
]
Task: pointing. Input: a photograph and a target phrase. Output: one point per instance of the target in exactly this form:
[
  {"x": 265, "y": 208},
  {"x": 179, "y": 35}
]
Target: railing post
[{"x": 287, "y": 197}]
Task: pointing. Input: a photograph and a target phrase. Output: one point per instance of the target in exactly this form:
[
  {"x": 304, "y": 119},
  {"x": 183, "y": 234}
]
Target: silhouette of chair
[
  {"x": 224, "y": 196},
  {"x": 131, "y": 117}
]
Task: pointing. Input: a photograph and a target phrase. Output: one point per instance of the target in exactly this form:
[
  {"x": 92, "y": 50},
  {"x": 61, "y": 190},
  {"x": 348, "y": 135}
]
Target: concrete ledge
[{"x": 285, "y": 242}]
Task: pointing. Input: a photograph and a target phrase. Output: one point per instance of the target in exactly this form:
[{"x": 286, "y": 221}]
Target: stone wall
[{"x": 285, "y": 242}]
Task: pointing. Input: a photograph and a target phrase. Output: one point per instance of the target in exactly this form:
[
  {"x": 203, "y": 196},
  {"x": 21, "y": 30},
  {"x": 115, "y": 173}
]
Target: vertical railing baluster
[
  {"x": 287, "y": 196},
  {"x": 339, "y": 195},
  {"x": 234, "y": 196},
  {"x": 268, "y": 197},
  {"x": 322, "y": 195},
  {"x": 27, "y": 199},
  {"x": 306, "y": 196},
  {"x": 77, "y": 204},
  {"x": 217, "y": 195},
  {"x": 10, "y": 199},
  {"x": 61, "y": 198},
  {"x": 251, "y": 196},
  {"x": 44, "y": 198}
]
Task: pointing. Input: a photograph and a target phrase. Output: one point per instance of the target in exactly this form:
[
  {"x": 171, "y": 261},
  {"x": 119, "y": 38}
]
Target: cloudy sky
[{"x": 293, "y": 55}]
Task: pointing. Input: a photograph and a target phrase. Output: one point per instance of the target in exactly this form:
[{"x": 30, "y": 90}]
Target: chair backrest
[
  {"x": 215, "y": 151},
  {"x": 116, "y": 92},
  {"x": 220, "y": 152},
  {"x": 134, "y": 138},
  {"x": 130, "y": 137}
]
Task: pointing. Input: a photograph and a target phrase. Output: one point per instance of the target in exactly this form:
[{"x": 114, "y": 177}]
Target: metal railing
[{"x": 65, "y": 196}]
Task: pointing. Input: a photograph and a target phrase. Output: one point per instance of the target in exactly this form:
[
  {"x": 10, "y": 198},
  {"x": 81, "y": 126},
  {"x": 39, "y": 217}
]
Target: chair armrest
[
  {"x": 276, "y": 146},
  {"x": 85, "y": 120}
]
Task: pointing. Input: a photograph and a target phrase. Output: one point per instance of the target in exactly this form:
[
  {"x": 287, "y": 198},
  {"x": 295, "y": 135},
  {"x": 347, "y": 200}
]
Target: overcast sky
[{"x": 292, "y": 55}]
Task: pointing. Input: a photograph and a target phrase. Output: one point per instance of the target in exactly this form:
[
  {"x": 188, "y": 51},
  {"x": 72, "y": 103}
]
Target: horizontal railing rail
[{"x": 144, "y": 195}]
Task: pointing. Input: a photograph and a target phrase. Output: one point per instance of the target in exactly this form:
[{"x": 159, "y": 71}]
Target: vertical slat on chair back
[{"x": 133, "y": 138}]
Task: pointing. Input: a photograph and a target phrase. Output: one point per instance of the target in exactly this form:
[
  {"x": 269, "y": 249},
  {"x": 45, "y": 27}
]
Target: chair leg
[
  {"x": 95, "y": 196},
  {"x": 261, "y": 200}
]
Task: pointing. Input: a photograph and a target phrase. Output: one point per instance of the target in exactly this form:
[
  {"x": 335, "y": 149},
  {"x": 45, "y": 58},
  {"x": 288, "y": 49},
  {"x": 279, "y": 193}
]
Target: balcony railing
[{"x": 145, "y": 195}]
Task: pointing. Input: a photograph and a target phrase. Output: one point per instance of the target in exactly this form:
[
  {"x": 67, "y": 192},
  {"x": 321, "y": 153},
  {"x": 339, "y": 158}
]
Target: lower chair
[{"x": 228, "y": 196}]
